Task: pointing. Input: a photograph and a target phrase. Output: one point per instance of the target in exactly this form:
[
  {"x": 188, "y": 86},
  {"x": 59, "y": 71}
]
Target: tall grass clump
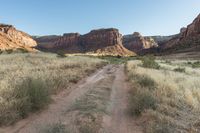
[
  {"x": 149, "y": 62},
  {"x": 140, "y": 101},
  {"x": 28, "y": 96},
  {"x": 146, "y": 81},
  {"x": 35, "y": 91},
  {"x": 174, "y": 106}
]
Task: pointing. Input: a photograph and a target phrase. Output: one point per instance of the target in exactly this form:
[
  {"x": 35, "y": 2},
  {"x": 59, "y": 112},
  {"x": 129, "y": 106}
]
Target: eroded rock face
[
  {"x": 102, "y": 41},
  {"x": 136, "y": 42},
  {"x": 188, "y": 38},
  {"x": 10, "y": 38},
  {"x": 69, "y": 42},
  {"x": 192, "y": 30}
]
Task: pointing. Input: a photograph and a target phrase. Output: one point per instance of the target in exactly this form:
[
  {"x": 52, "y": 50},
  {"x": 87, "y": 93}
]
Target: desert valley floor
[{"x": 86, "y": 94}]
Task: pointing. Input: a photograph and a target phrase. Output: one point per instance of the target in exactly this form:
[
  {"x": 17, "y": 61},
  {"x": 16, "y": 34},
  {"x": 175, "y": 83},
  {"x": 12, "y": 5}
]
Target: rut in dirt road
[
  {"x": 119, "y": 120},
  {"x": 104, "y": 90}
]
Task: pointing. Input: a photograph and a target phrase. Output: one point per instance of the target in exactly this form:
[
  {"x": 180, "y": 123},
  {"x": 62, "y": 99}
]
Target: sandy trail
[{"x": 118, "y": 120}]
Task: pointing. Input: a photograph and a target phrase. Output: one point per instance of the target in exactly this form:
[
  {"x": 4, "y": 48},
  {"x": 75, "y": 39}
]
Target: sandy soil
[{"x": 118, "y": 120}]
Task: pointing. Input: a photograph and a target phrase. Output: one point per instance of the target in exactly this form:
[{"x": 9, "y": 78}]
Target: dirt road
[{"x": 117, "y": 120}]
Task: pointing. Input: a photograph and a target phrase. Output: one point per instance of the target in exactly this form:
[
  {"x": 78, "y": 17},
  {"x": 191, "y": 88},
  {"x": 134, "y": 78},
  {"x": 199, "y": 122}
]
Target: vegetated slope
[
  {"x": 187, "y": 41},
  {"x": 100, "y": 42},
  {"x": 10, "y": 38}
]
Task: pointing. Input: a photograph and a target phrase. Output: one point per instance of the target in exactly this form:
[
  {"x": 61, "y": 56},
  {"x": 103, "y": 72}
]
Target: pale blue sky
[{"x": 150, "y": 17}]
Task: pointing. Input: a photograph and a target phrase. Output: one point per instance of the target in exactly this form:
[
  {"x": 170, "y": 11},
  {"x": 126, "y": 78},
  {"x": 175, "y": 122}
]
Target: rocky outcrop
[
  {"x": 192, "y": 30},
  {"x": 137, "y": 43},
  {"x": 10, "y": 38},
  {"x": 101, "y": 42},
  {"x": 188, "y": 38}
]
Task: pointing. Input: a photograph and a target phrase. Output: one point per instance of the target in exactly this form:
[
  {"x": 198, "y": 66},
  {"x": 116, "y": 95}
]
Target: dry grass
[
  {"x": 177, "y": 98},
  {"x": 26, "y": 80}
]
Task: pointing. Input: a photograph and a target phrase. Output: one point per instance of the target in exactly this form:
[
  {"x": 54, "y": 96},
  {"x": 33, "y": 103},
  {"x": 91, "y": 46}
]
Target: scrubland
[
  {"x": 165, "y": 95},
  {"x": 28, "y": 80}
]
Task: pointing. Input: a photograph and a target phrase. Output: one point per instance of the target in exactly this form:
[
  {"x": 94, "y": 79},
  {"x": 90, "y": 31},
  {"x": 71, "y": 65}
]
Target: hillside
[{"x": 11, "y": 38}]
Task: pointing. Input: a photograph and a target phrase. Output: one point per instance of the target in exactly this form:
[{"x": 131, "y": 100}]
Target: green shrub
[
  {"x": 116, "y": 59},
  {"x": 141, "y": 101},
  {"x": 149, "y": 62},
  {"x": 179, "y": 69},
  {"x": 196, "y": 64},
  {"x": 146, "y": 81}
]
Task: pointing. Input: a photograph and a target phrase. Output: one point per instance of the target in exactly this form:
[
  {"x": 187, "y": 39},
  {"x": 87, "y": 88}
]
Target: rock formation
[
  {"x": 192, "y": 30},
  {"x": 69, "y": 42},
  {"x": 188, "y": 38},
  {"x": 10, "y": 38},
  {"x": 137, "y": 43},
  {"x": 46, "y": 42},
  {"x": 101, "y": 42}
]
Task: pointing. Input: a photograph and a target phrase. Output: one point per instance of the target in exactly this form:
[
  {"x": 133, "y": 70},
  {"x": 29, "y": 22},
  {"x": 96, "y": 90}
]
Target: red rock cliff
[
  {"x": 189, "y": 38},
  {"x": 102, "y": 41}
]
